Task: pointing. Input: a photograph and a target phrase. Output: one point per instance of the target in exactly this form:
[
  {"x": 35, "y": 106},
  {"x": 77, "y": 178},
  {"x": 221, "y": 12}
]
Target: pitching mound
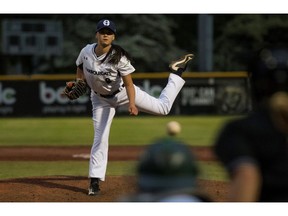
[{"x": 74, "y": 189}]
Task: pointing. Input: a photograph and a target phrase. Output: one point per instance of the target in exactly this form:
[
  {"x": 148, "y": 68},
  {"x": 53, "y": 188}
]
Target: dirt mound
[{"x": 74, "y": 189}]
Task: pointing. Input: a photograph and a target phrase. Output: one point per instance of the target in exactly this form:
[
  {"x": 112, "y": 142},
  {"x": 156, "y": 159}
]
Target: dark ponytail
[{"x": 117, "y": 55}]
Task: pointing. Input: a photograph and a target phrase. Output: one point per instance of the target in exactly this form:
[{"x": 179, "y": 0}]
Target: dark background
[{"x": 153, "y": 40}]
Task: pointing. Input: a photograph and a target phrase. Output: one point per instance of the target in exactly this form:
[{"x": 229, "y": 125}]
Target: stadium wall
[{"x": 203, "y": 93}]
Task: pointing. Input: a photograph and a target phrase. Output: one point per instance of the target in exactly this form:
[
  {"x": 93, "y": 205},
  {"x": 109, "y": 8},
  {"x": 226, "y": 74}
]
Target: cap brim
[{"x": 105, "y": 27}]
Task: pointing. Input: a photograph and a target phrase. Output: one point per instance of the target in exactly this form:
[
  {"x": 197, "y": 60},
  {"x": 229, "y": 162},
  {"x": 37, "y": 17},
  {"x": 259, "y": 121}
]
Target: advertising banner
[
  {"x": 39, "y": 98},
  {"x": 200, "y": 95}
]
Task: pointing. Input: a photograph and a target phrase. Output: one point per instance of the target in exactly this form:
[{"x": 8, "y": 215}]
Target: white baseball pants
[{"x": 104, "y": 110}]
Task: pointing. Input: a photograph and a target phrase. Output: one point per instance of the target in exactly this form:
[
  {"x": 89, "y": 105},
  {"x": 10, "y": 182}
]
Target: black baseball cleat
[
  {"x": 180, "y": 65},
  {"x": 94, "y": 188}
]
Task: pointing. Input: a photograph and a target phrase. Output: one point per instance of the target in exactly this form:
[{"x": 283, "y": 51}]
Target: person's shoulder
[
  {"x": 88, "y": 46},
  {"x": 236, "y": 121},
  {"x": 250, "y": 122},
  {"x": 235, "y": 124},
  {"x": 125, "y": 56}
]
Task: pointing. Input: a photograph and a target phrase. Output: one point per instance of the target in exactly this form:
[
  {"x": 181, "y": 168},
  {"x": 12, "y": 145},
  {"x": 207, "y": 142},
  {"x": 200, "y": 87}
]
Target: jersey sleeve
[
  {"x": 79, "y": 60},
  {"x": 233, "y": 146},
  {"x": 125, "y": 67}
]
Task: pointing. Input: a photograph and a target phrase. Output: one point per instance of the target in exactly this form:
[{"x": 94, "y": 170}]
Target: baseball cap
[{"x": 105, "y": 23}]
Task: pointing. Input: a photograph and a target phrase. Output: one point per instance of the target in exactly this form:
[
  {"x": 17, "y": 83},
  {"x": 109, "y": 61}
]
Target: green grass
[
  {"x": 21, "y": 169},
  {"x": 196, "y": 130},
  {"x": 45, "y": 131}
]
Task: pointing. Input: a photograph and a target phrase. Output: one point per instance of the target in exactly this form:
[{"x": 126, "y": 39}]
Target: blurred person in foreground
[
  {"x": 167, "y": 172},
  {"x": 254, "y": 149}
]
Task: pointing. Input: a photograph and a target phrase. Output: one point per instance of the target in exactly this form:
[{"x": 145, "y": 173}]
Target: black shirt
[{"x": 254, "y": 139}]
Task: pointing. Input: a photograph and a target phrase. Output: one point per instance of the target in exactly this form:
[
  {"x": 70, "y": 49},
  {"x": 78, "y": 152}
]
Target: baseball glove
[{"x": 75, "y": 89}]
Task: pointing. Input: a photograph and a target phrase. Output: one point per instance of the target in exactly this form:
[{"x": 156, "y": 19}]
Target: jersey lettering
[{"x": 98, "y": 73}]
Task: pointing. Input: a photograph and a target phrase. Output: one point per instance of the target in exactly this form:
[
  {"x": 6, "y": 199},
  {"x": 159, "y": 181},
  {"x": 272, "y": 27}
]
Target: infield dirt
[{"x": 74, "y": 188}]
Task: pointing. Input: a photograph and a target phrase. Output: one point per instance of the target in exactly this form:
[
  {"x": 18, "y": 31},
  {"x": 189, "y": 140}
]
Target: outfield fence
[{"x": 203, "y": 93}]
